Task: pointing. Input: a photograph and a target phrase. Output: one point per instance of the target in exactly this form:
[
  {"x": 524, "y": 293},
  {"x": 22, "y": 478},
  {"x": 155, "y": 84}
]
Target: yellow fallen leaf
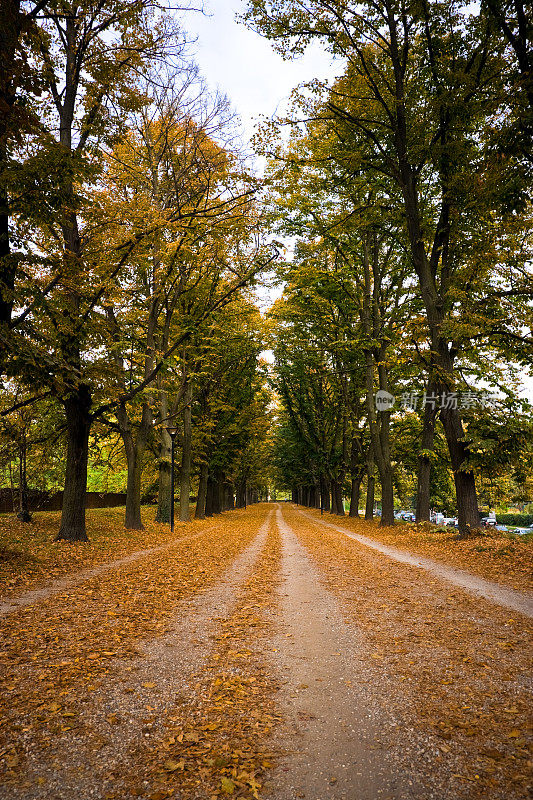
[
  {"x": 227, "y": 785},
  {"x": 172, "y": 766}
]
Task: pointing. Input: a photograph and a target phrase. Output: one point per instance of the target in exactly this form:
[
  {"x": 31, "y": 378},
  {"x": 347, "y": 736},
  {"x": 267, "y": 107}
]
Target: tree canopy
[{"x": 133, "y": 233}]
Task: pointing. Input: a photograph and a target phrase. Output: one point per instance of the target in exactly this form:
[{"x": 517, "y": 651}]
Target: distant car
[
  {"x": 488, "y": 522},
  {"x": 522, "y": 531},
  {"x": 407, "y": 516},
  {"x": 450, "y": 522}
]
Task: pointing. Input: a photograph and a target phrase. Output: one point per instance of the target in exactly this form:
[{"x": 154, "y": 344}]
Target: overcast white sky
[{"x": 243, "y": 64}]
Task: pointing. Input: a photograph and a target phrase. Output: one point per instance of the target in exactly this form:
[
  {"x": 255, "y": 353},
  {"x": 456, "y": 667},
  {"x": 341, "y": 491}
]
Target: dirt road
[{"x": 272, "y": 656}]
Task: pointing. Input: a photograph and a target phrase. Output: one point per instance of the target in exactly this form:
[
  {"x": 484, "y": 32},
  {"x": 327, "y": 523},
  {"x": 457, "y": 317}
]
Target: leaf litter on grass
[
  {"x": 29, "y": 556},
  {"x": 491, "y": 555}
]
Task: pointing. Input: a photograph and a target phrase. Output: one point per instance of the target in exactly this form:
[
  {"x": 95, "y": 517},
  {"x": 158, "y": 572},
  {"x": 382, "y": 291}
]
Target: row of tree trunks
[
  {"x": 433, "y": 295},
  {"x": 378, "y": 421},
  {"x": 326, "y": 495},
  {"x": 217, "y": 494}
]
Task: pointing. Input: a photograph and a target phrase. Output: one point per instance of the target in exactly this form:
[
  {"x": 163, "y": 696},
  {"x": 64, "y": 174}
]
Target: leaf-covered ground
[
  {"x": 58, "y": 652},
  {"x": 503, "y": 559},
  {"x": 29, "y": 556},
  {"x": 155, "y": 679},
  {"x": 460, "y": 665}
]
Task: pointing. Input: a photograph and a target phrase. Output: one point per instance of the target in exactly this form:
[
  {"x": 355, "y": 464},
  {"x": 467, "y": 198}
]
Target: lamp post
[{"x": 172, "y": 431}]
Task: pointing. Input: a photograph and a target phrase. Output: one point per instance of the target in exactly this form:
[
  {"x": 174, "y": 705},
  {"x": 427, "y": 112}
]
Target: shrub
[{"x": 520, "y": 520}]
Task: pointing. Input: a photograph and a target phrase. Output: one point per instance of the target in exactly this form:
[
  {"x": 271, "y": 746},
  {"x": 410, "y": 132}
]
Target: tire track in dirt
[
  {"x": 334, "y": 731},
  {"x": 133, "y": 705},
  {"x": 494, "y": 592}
]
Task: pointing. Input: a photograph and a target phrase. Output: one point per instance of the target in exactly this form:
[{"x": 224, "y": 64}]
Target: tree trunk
[
  {"x": 24, "y": 511},
  {"x": 215, "y": 490},
  {"x": 11, "y": 23},
  {"x": 134, "y": 457},
  {"x": 163, "y": 493},
  {"x": 324, "y": 489},
  {"x": 202, "y": 491},
  {"x": 218, "y": 494},
  {"x": 333, "y": 496},
  {"x": 378, "y": 421},
  {"x": 465, "y": 485},
  {"x": 186, "y": 455},
  {"x": 385, "y": 470},
  {"x": 387, "y": 499},
  {"x": 379, "y": 433},
  {"x": 357, "y": 472},
  {"x": 370, "y": 483},
  {"x": 424, "y": 459},
  {"x": 209, "y": 496},
  {"x": 230, "y": 495},
  {"x": 339, "y": 501},
  {"x": 7, "y": 262},
  {"x": 77, "y": 411},
  {"x": 241, "y": 496},
  {"x": 355, "y": 494},
  {"x": 133, "y": 491}
]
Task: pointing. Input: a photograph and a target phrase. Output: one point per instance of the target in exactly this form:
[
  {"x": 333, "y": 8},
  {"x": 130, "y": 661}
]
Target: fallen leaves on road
[
  {"x": 458, "y": 666},
  {"x": 218, "y": 745}
]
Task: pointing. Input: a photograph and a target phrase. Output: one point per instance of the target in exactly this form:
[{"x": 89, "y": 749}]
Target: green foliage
[{"x": 516, "y": 520}]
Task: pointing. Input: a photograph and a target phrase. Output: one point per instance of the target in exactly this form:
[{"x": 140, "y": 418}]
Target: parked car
[
  {"x": 407, "y": 516},
  {"x": 451, "y": 522},
  {"x": 488, "y": 522}
]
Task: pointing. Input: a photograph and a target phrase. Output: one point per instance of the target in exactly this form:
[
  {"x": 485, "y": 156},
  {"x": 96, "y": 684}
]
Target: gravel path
[
  {"x": 334, "y": 725},
  {"x": 508, "y": 598},
  {"x": 131, "y": 709}
]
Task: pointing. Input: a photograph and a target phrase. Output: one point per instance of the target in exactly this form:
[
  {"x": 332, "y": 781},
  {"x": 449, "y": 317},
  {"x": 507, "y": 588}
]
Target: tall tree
[{"x": 421, "y": 81}]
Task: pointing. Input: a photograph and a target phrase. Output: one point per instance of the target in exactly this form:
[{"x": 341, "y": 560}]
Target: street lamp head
[{"x": 172, "y": 430}]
